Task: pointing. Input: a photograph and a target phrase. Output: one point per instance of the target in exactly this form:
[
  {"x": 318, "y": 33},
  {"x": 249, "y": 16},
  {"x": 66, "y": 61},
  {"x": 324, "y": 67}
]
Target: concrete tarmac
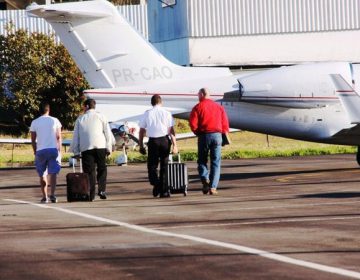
[{"x": 274, "y": 218}]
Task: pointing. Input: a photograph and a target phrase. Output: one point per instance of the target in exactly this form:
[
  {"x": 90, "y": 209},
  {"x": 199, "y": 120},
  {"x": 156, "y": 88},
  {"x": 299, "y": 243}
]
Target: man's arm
[
  {"x": 58, "y": 138},
  {"x": 109, "y": 137},
  {"x": 33, "y": 141},
  {"x": 224, "y": 121},
  {"x": 193, "y": 121},
  {"x": 75, "y": 143},
  {"x": 173, "y": 140},
  {"x": 142, "y": 134}
]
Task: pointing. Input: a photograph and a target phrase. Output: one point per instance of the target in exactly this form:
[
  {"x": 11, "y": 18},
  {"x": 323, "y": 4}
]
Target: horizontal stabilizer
[
  {"x": 62, "y": 11},
  {"x": 348, "y": 97}
]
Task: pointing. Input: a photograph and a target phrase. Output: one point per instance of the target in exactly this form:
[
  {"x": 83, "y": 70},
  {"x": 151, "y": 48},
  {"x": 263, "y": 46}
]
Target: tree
[{"x": 33, "y": 69}]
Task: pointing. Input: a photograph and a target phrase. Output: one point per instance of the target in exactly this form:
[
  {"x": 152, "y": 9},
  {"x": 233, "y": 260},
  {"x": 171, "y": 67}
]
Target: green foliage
[
  {"x": 182, "y": 126},
  {"x": 34, "y": 69}
]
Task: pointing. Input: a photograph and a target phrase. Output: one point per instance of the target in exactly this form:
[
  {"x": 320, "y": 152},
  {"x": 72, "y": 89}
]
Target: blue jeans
[{"x": 209, "y": 142}]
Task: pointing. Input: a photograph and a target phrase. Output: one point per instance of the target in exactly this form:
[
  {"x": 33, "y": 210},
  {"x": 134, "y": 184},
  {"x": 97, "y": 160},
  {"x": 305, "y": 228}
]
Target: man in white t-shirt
[{"x": 46, "y": 143}]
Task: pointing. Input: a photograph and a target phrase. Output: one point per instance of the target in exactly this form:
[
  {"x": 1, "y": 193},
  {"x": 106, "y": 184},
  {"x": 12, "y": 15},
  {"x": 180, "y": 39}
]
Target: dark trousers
[
  {"x": 97, "y": 157},
  {"x": 158, "y": 151}
]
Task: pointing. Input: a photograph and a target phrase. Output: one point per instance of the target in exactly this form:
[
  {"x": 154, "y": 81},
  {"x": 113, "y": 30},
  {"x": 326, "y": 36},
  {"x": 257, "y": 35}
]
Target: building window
[{"x": 2, "y": 5}]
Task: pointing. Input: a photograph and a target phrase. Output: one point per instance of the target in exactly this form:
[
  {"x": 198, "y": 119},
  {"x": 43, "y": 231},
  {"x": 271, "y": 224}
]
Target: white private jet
[{"x": 299, "y": 102}]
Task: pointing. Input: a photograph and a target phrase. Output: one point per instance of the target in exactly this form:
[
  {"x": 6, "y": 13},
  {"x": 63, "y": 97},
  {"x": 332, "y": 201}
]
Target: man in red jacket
[{"x": 208, "y": 120}]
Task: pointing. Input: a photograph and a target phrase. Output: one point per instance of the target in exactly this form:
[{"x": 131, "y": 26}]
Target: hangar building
[
  {"x": 255, "y": 32},
  {"x": 239, "y": 32}
]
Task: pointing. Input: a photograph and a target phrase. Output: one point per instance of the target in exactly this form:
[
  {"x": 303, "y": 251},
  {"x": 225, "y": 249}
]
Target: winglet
[{"x": 348, "y": 97}]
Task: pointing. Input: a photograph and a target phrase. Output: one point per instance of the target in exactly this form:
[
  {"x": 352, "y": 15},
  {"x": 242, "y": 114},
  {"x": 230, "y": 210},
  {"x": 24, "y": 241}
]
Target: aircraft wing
[
  {"x": 353, "y": 132},
  {"x": 65, "y": 142},
  {"x": 188, "y": 135},
  {"x": 131, "y": 112},
  {"x": 15, "y": 141}
]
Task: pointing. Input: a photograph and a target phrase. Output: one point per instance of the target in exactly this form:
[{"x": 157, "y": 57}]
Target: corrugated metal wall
[
  {"x": 209, "y": 18},
  {"x": 135, "y": 14},
  {"x": 22, "y": 21}
]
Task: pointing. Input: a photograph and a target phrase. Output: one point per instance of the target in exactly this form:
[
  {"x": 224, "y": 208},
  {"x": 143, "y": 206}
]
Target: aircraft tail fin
[
  {"x": 108, "y": 50},
  {"x": 348, "y": 98}
]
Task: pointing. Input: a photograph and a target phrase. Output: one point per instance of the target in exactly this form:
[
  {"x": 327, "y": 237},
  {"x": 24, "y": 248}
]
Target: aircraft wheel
[{"x": 358, "y": 155}]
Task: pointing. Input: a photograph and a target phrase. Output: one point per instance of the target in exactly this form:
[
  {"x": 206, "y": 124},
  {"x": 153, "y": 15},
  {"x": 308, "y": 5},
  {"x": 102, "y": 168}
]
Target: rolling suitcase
[
  {"x": 176, "y": 178},
  {"x": 77, "y": 185}
]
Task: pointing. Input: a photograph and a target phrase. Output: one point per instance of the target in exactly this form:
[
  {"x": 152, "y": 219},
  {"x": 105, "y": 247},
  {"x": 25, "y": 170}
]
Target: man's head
[
  {"x": 90, "y": 104},
  {"x": 203, "y": 94},
  {"x": 45, "y": 108},
  {"x": 156, "y": 100}
]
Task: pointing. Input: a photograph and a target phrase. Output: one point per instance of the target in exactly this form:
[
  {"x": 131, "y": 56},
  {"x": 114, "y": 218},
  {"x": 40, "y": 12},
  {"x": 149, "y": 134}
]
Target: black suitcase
[
  {"x": 176, "y": 178},
  {"x": 77, "y": 185}
]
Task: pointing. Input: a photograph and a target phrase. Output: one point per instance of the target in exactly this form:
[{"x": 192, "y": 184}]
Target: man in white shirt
[
  {"x": 158, "y": 124},
  {"x": 46, "y": 143},
  {"x": 94, "y": 140}
]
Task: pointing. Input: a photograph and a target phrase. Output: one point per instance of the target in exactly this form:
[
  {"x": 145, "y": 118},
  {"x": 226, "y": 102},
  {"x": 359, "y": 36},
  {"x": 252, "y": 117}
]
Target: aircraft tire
[{"x": 358, "y": 155}]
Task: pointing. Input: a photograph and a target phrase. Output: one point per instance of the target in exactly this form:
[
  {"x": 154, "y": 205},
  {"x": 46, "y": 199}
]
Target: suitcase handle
[
  {"x": 171, "y": 158},
  {"x": 77, "y": 157}
]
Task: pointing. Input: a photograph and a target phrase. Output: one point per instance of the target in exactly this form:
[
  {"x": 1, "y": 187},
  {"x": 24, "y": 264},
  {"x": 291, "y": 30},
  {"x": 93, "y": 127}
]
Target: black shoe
[
  {"x": 165, "y": 194},
  {"x": 102, "y": 195},
  {"x": 53, "y": 199},
  {"x": 155, "y": 191},
  {"x": 206, "y": 185}
]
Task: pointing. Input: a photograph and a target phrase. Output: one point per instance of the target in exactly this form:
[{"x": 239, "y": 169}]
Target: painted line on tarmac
[
  {"x": 276, "y": 221},
  {"x": 244, "y": 249}
]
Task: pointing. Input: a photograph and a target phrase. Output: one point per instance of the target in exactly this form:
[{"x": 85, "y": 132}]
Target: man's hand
[
  {"x": 175, "y": 149},
  {"x": 142, "y": 150}
]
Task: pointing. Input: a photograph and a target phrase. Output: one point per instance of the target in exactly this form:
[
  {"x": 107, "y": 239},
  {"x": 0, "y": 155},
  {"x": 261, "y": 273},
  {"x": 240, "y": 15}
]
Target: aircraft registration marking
[
  {"x": 146, "y": 73},
  {"x": 249, "y": 250}
]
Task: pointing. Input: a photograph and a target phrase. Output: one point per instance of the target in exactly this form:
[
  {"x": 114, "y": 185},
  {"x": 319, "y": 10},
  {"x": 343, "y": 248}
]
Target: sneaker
[
  {"x": 213, "y": 191},
  {"x": 53, "y": 199},
  {"x": 206, "y": 185},
  {"x": 44, "y": 200},
  {"x": 165, "y": 194},
  {"x": 102, "y": 195}
]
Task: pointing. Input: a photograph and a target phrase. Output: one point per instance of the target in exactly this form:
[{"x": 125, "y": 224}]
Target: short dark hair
[
  {"x": 44, "y": 107},
  {"x": 90, "y": 103},
  {"x": 155, "y": 99}
]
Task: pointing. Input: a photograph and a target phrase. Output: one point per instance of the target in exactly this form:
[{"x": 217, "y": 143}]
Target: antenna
[{"x": 241, "y": 89}]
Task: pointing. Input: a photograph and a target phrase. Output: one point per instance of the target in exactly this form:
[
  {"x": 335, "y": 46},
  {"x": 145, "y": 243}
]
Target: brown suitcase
[{"x": 78, "y": 185}]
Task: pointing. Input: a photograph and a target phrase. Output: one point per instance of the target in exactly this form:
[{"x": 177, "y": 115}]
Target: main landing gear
[{"x": 358, "y": 155}]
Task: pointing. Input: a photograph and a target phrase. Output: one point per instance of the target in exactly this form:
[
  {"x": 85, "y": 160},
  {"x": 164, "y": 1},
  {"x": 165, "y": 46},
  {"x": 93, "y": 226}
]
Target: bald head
[{"x": 203, "y": 93}]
